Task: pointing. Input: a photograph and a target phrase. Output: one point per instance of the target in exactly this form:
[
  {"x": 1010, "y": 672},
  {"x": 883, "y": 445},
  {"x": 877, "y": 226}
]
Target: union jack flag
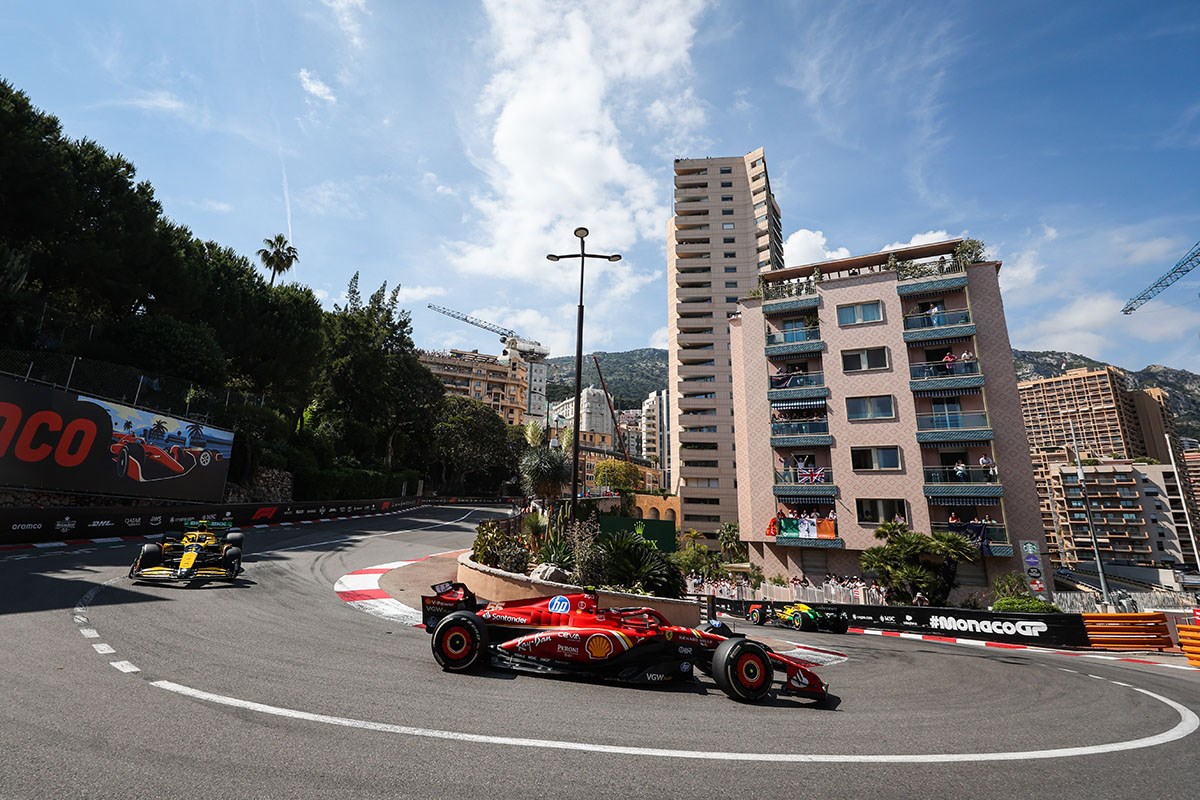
[{"x": 810, "y": 475}]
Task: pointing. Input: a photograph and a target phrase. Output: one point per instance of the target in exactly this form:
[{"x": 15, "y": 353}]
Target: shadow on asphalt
[{"x": 36, "y": 592}]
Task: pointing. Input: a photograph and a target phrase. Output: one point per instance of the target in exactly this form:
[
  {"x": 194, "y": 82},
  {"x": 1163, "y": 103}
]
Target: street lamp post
[
  {"x": 1087, "y": 512},
  {"x": 581, "y": 233}
]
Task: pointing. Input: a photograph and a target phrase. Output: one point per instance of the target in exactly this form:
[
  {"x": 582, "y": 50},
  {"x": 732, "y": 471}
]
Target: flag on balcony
[
  {"x": 975, "y": 531},
  {"x": 810, "y": 475}
]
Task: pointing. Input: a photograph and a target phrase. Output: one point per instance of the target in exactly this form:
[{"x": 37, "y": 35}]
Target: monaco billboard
[{"x": 62, "y": 441}]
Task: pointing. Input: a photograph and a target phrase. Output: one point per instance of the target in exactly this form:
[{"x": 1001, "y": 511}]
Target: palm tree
[
  {"x": 953, "y": 548},
  {"x": 159, "y": 429},
  {"x": 278, "y": 256},
  {"x": 692, "y": 537},
  {"x": 543, "y": 472},
  {"x": 128, "y": 426},
  {"x": 195, "y": 433},
  {"x": 729, "y": 537},
  {"x": 535, "y": 434}
]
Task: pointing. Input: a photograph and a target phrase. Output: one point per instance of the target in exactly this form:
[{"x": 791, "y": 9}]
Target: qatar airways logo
[{"x": 1021, "y": 626}]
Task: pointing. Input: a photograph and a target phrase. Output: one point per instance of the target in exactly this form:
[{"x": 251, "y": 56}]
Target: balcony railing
[
  {"x": 942, "y": 265},
  {"x": 799, "y": 428},
  {"x": 963, "y": 474},
  {"x": 802, "y": 476},
  {"x": 797, "y": 380},
  {"x": 924, "y": 370},
  {"x": 994, "y": 532},
  {"x": 914, "y": 322},
  {"x": 952, "y": 421},
  {"x": 775, "y": 291},
  {"x": 794, "y": 335}
]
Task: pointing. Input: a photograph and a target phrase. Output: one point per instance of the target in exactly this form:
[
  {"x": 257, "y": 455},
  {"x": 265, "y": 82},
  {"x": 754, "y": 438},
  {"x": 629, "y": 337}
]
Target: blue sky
[{"x": 448, "y": 146}]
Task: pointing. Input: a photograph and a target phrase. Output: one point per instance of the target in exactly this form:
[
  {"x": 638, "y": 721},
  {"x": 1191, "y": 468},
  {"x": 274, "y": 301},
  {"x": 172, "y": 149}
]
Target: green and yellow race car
[
  {"x": 800, "y": 616},
  {"x": 202, "y": 551}
]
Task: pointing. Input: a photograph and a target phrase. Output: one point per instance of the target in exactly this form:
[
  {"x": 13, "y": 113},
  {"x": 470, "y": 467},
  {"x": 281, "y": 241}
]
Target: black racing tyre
[
  {"x": 232, "y": 559},
  {"x": 757, "y": 617},
  {"x": 805, "y": 623},
  {"x": 151, "y": 556},
  {"x": 460, "y": 641},
  {"x": 839, "y": 625},
  {"x": 236, "y": 538},
  {"x": 742, "y": 669}
]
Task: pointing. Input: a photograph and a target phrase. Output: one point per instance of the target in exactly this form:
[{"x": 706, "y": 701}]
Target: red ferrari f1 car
[{"x": 570, "y": 635}]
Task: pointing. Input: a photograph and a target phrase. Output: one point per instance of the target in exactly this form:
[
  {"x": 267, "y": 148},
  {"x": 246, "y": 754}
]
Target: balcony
[
  {"x": 812, "y": 433},
  {"x": 780, "y": 298},
  {"x": 943, "y": 325},
  {"x": 959, "y": 426},
  {"x": 993, "y": 534},
  {"x": 931, "y": 275},
  {"x": 797, "y": 386},
  {"x": 925, "y": 375},
  {"x": 804, "y": 482},
  {"x": 795, "y": 340},
  {"x": 965, "y": 482}
]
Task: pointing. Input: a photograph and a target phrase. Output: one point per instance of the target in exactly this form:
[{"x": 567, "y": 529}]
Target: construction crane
[
  {"x": 612, "y": 411},
  {"x": 1185, "y": 265},
  {"x": 532, "y": 352}
]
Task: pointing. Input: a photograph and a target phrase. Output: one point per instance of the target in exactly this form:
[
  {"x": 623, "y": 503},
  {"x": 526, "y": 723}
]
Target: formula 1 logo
[{"x": 266, "y": 512}]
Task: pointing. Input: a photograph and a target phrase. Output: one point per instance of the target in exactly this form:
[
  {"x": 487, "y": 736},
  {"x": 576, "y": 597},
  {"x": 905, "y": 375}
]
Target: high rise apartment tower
[{"x": 725, "y": 230}]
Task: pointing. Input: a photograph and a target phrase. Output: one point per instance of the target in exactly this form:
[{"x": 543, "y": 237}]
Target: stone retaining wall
[{"x": 496, "y": 584}]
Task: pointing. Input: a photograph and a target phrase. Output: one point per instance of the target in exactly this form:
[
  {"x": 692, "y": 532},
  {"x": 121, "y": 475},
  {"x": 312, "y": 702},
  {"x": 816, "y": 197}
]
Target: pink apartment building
[{"x": 852, "y": 394}]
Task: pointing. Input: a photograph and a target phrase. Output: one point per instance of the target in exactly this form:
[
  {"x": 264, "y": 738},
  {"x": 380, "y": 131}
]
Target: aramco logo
[{"x": 598, "y": 646}]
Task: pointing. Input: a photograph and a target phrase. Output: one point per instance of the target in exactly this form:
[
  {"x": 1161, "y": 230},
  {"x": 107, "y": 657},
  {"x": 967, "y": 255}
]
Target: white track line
[{"x": 1188, "y": 723}]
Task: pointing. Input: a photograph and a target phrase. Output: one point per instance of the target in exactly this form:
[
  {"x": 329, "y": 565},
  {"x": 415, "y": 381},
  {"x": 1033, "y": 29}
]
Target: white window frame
[
  {"x": 858, "y": 315},
  {"x": 891, "y": 402},
  {"x": 874, "y": 451},
  {"x": 862, "y": 353}
]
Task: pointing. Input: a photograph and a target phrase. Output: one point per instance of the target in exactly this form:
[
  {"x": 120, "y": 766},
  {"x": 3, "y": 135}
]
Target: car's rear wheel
[
  {"x": 742, "y": 669},
  {"x": 232, "y": 559},
  {"x": 806, "y": 623},
  {"x": 756, "y": 616},
  {"x": 839, "y": 625},
  {"x": 460, "y": 641}
]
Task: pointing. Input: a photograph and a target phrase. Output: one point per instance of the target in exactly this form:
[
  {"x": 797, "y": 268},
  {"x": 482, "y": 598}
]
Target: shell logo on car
[{"x": 598, "y": 646}]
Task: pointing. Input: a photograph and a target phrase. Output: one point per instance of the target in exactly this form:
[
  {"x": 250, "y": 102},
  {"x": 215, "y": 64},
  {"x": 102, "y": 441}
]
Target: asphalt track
[{"x": 276, "y": 688}]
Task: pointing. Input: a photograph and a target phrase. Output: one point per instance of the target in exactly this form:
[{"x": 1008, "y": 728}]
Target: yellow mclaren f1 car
[{"x": 203, "y": 551}]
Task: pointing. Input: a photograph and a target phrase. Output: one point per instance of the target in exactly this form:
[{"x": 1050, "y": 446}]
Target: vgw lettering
[{"x": 34, "y": 440}]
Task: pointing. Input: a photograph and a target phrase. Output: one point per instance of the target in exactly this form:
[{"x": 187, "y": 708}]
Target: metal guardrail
[
  {"x": 924, "y": 370},
  {"x": 804, "y": 475},
  {"x": 794, "y": 335},
  {"x": 959, "y": 420},
  {"x": 962, "y": 474},
  {"x": 940, "y": 319},
  {"x": 799, "y": 428},
  {"x": 797, "y": 380}
]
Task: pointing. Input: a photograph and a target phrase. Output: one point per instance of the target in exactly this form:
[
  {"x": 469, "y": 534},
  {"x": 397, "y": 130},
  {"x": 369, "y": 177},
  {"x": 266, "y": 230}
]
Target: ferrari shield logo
[{"x": 669, "y": 634}]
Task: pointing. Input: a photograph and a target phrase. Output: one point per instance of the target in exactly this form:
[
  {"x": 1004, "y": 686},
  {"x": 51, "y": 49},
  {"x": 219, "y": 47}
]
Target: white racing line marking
[{"x": 1188, "y": 723}]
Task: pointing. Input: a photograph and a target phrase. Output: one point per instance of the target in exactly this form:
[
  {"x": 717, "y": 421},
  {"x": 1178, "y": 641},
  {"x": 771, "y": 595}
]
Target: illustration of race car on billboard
[
  {"x": 799, "y": 616},
  {"x": 142, "y": 460},
  {"x": 202, "y": 551},
  {"x": 568, "y": 634}
]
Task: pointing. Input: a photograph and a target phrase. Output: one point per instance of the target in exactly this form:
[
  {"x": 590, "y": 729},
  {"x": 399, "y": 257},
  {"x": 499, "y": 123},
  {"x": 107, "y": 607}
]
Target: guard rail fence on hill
[{"x": 32, "y": 525}]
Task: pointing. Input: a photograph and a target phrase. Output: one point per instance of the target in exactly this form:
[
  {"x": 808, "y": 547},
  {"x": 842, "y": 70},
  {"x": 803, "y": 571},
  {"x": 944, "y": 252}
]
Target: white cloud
[
  {"x": 348, "y": 14},
  {"x": 929, "y": 237},
  {"x": 415, "y": 294},
  {"x": 430, "y": 180},
  {"x": 1049, "y": 232},
  {"x": 1156, "y": 250},
  {"x": 659, "y": 339},
  {"x": 215, "y": 206},
  {"x": 807, "y": 247},
  {"x": 1020, "y": 274},
  {"x": 157, "y": 100},
  {"x": 316, "y": 87}
]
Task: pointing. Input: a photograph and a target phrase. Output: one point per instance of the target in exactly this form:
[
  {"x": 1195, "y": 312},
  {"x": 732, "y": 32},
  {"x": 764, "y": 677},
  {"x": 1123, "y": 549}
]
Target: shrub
[
  {"x": 778, "y": 580},
  {"x": 1010, "y": 584},
  {"x": 556, "y": 549},
  {"x": 1025, "y": 605},
  {"x": 635, "y": 564},
  {"x": 513, "y": 558},
  {"x": 495, "y": 547}
]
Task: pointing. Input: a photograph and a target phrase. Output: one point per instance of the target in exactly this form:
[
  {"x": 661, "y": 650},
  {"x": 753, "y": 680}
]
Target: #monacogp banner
[{"x": 63, "y": 441}]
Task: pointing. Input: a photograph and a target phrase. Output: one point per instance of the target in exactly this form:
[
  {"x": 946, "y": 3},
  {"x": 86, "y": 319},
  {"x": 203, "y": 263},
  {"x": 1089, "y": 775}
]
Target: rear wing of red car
[{"x": 447, "y": 598}]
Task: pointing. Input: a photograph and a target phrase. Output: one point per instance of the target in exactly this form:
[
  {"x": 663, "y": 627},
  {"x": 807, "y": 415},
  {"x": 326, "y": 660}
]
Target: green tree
[
  {"x": 535, "y": 433},
  {"x": 618, "y": 474},
  {"x": 911, "y": 562},
  {"x": 729, "y": 537},
  {"x": 470, "y": 440},
  {"x": 543, "y": 472},
  {"x": 278, "y": 255}
]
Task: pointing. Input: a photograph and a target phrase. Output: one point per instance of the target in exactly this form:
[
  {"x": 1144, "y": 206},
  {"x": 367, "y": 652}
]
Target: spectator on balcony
[
  {"x": 948, "y": 362},
  {"x": 967, "y": 355},
  {"x": 954, "y": 520},
  {"x": 988, "y": 466},
  {"x": 960, "y": 471},
  {"x": 936, "y": 317},
  {"x": 987, "y": 520}
]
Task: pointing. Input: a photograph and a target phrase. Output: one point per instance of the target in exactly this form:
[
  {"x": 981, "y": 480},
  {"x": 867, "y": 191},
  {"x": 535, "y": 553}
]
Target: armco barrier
[
  {"x": 29, "y": 525},
  {"x": 1189, "y": 640},
  {"x": 1128, "y": 631}
]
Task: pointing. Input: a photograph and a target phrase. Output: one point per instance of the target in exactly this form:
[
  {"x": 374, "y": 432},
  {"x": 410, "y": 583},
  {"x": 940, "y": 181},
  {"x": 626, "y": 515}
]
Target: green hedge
[
  {"x": 1025, "y": 604},
  {"x": 344, "y": 483}
]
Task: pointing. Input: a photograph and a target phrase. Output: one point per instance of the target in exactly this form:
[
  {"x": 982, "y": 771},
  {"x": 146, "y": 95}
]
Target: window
[
  {"x": 711, "y": 464},
  {"x": 726, "y": 212},
  {"x": 726, "y": 184},
  {"x": 726, "y": 170},
  {"x": 726, "y": 198},
  {"x": 871, "y": 512},
  {"x": 731, "y": 299},
  {"x": 878, "y": 407},
  {"x": 859, "y": 360},
  {"x": 731, "y": 269},
  {"x": 875, "y": 458},
  {"x": 859, "y": 313},
  {"x": 703, "y": 483},
  {"x": 728, "y": 226},
  {"x": 729, "y": 240},
  {"x": 730, "y": 284},
  {"x": 730, "y": 254}
]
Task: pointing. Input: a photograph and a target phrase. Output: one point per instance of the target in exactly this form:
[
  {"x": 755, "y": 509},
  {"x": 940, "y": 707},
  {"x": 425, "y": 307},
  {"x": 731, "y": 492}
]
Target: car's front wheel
[
  {"x": 742, "y": 669},
  {"x": 460, "y": 641}
]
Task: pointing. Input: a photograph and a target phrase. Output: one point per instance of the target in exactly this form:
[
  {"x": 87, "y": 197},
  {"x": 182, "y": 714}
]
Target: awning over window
[
  {"x": 789, "y": 405},
  {"x": 945, "y": 392},
  {"x": 936, "y": 342},
  {"x": 964, "y": 502}
]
